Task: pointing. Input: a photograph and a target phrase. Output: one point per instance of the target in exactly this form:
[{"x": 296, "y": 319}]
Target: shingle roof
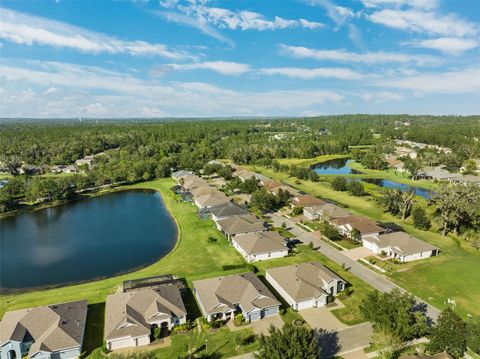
[
  {"x": 228, "y": 209},
  {"x": 53, "y": 328},
  {"x": 333, "y": 211},
  {"x": 194, "y": 181},
  {"x": 401, "y": 243},
  {"x": 303, "y": 281},
  {"x": 258, "y": 243},
  {"x": 364, "y": 225},
  {"x": 222, "y": 293},
  {"x": 212, "y": 199},
  {"x": 181, "y": 173},
  {"x": 138, "y": 308},
  {"x": 202, "y": 190},
  {"x": 241, "y": 224},
  {"x": 306, "y": 200}
]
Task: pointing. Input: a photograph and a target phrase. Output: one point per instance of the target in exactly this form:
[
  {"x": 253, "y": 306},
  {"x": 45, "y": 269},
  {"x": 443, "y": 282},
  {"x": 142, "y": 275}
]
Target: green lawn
[
  {"x": 304, "y": 162},
  {"x": 453, "y": 274}
]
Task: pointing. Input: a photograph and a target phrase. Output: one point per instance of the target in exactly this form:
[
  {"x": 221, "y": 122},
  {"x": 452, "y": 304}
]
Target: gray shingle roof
[
  {"x": 401, "y": 243},
  {"x": 241, "y": 224},
  {"x": 263, "y": 242},
  {"x": 222, "y": 293},
  {"x": 303, "y": 281},
  {"x": 53, "y": 328},
  {"x": 212, "y": 199},
  {"x": 228, "y": 209}
]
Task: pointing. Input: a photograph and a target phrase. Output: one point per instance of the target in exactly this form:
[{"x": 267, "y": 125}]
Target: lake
[
  {"x": 337, "y": 166},
  {"x": 87, "y": 239},
  {"x": 422, "y": 192}
]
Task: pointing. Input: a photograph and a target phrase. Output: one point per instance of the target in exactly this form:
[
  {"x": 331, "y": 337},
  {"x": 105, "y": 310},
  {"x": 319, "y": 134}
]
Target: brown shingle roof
[
  {"x": 212, "y": 199},
  {"x": 402, "y": 243},
  {"x": 364, "y": 225},
  {"x": 241, "y": 224},
  {"x": 306, "y": 200},
  {"x": 222, "y": 293}
]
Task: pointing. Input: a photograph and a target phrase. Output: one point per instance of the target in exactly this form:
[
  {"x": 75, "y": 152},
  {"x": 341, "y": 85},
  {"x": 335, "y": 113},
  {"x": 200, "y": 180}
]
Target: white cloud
[
  {"x": 309, "y": 74},
  {"x": 339, "y": 14},
  {"x": 222, "y": 67},
  {"x": 94, "y": 109},
  {"x": 369, "y": 58},
  {"x": 424, "y": 22},
  {"x": 450, "y": 45},
  {"x": 380, "y": 96},
  {"x": 450, "y": 82},
  {"x": 104, "y": 93},
  {"x": 50, "y": 90},
  {"x": 421, "y": 4},
  {"x": 27, "y": 29}
]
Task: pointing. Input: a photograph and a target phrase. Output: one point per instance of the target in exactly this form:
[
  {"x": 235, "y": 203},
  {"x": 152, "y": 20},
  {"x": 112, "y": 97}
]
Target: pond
[
  {"x": 422, "y": 192},
  {"x": 337, "y": 166},
  {"x": 84, "y": 240}
]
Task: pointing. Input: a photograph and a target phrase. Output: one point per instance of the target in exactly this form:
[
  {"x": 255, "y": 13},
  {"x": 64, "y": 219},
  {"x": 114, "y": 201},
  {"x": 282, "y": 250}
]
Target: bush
[
  {"x": 182, "y": 328},
  {"x": 239, "y": 320},
  {"x": 420, "y": 219},
  {"x": 355, "y": 188},
  {"x": 297, "y": 211},
  {"x": 339, "y": 184},
  {"x": 212, "y": 239},
  {"x": 157, "y": 332},
  {"x": 245, "y": 339}
]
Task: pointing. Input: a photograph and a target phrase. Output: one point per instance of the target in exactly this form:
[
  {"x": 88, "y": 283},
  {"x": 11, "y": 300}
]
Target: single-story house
[
  {"x": 48, "y": 332},
  {"x": 467, "y": 179},
  {"x": 57, "y": 168},
  {"x": 87, "y": 160},
  {"x": 366, "y": 227},
  {"x": 326, "y": 212},
  {"x": 226, "y": 210},
  {"x": 261, "y": 246},
  {"x": 438, "y": 173},
  {"x": 130, "y": 317},
  {"x": 221, "y": 298},
  {"x": 305, "y": 285},
  {"x": 306, "y": 200},
  {"x": 239, "y": 225},
  {"x": 273, "y": 187},
  {"x": 211, "y": 199},
  {"x": 70, "y": 169},
  {"x": 191, "y": 182},
  {"x": 245, "y": 175},
  {"x": 203, "y": 190},
  {"x": 400, "y": 246},
  {"x": 178, "y": 175}
]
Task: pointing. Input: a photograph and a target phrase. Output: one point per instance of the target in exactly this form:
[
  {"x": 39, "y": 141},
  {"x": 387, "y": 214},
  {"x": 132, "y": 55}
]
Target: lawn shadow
[
  {"x": 328, "y": 342},
  {"x": 190, "y": 302},
  {"x": 94, "y": 328}
]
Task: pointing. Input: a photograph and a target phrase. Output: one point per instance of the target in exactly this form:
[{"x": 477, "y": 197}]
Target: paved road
[{"x": 376, "y": 280}]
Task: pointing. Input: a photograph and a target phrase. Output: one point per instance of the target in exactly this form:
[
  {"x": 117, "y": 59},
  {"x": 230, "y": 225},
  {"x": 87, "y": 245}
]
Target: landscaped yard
[{"x": 453, "y": 274}]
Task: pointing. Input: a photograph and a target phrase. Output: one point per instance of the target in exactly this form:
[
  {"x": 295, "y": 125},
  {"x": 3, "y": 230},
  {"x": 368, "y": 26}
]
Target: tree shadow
[
  {"x": 422, "y": 308},
  {"x": 329, "y": 343}
]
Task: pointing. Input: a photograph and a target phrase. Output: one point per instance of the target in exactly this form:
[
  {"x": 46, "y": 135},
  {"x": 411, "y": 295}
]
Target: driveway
[
  {"x": 321, "y": 318},
  {"x": 377, "y": 281},
  {"x": 355, "y": 337},
  {"x": 357, "y": 253},
  {"x": 261, "y": 326}
]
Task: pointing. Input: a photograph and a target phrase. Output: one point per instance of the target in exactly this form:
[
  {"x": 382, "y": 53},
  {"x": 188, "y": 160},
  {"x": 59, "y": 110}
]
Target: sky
[{"x": 207, "y": 58}]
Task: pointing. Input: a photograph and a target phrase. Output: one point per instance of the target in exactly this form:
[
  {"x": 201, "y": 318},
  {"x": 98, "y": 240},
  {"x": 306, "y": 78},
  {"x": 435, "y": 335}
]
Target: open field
[
  {"x": 305, "y": 162},
  {"x": 453, "y": 274}
]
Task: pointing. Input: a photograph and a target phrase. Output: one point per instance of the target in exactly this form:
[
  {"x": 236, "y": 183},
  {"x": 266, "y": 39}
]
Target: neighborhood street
[{"x": 377, "y": 281}]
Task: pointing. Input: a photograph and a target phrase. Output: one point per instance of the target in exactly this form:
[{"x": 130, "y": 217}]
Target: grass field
[
  {"x": 193, "y": 258},
  {"x": 453, "y": 274},
  {"x": 304, "y": 162}
]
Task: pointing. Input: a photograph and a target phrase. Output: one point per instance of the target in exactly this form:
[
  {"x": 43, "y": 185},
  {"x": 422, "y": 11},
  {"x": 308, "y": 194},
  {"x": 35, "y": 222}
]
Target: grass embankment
[
  {"x": 453, "y": 274},
  {"x": 194, "y": 257},
  {"x": 305, "y": 162}
]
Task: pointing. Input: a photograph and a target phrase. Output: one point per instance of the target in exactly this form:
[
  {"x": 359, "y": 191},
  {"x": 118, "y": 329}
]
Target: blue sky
[{"x": 199, "y": 58}]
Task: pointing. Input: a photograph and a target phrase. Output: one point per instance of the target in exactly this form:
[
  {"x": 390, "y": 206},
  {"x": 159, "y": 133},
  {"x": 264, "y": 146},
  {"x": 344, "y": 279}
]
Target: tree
[
  {"x": 397, "y": 202},
  {"x": 389, "y": 344},
  {"x": 473, "y": 335},
  {"x": 355, "y": 188},
  {"x": 420, "y": 219},
  {"x": 470, "y": 167},
  {"x": 458, "y": 205},
  {"x": 394, "y": 313},
  {"x": 290, "y": 342},
  {"x": 449, "y": 334},
  {"x": 412, "y": 166},
  {"x": 330, "y": 231},
  {"x": 263, "y": 200},
  {"x": 339, "y": 184}
]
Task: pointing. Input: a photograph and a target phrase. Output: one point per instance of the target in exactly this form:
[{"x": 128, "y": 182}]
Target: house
[
  {"x": 191, "y": 182},
  {"x": 48, "y": 332},
  {"x": 306, "y": 200},
  {"x": 261, "y": 246},
  {"x": 305, "y": 285},
  {"x": 203, "y": 190},
  {"x": 467, "y": 179},
  {"x": 221, "y": 297},
  {"x": 330, "y": 211},
  {"x": 246, "y": 175},
  {"x": 178, "y": 175},
  {"x": 400, "y": 246},
  {"x": 211, "y": 199},
  {"x": 437, "y": 174},
  {"x": 366, "y": 227},
  {"x": 87, "y": 160},
  {"x": 130, "y": 317},
  {"x": 226, "y": 210},
  {"x": 239, "y": 225},
  {"x": 29, "y": 170},
  {"x": 57, "y": 168},
  {"x": 70, "y": 169},
  {"x": 273, "y": 187}
]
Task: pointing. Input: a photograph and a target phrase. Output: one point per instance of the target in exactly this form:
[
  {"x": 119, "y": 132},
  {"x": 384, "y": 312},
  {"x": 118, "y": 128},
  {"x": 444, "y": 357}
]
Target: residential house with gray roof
[
  {"x": 211, "y": 199},
  {"x": 48, "y": 332},
  {"x": 131, "y": 317},
  {"x": 226, "y": 210},
  {"x": 400, "y": 246},
  {"x": 305, "y": 285},
  {"x": 261, "y": 246},
  {"x": 221, "y": 297},
  {"x": 240, "y": 225}
]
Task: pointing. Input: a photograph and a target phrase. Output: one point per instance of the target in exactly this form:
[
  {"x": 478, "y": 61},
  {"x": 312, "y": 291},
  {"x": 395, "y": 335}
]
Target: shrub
[
  {"x": 297, "y": 211},
  {"x": 420, "y": 219},
  {"x": 239, "y": 320},
  {"x": 339, "y": 184},
  {"x": 355, "y": 188},
  {"x": 212, "y": 239},
  {"x": 157, "y": 332}
]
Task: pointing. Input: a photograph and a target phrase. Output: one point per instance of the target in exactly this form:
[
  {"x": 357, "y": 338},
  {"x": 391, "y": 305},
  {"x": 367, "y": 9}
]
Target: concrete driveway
[
  {"x": 355, "y": 337},
  {"x": 321, "y": 318},
  {"x": 261, "y": 326},
  {"x": 357, "y": 253}
]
